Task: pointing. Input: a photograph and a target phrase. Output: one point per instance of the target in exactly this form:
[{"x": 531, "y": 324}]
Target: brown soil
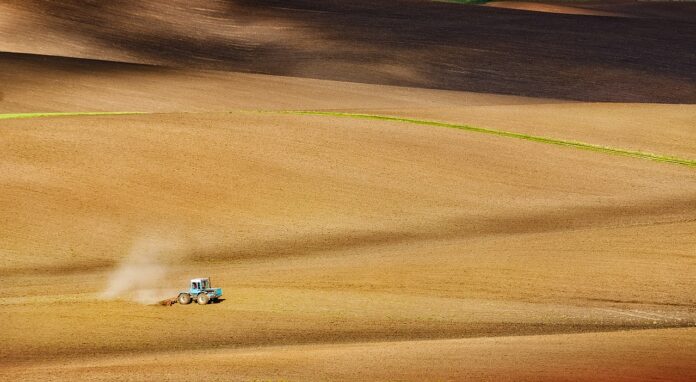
[
  {"x": 334, "y": 231},
  {"x": 397, "y": 42},
  {"x": 562, "y": 8},
  {"x": 623, "y": 356},
  {"x": 347, "y": 249}
]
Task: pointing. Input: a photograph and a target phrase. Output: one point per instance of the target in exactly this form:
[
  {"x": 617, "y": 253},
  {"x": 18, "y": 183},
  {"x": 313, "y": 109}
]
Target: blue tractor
[{"x": 201, "y": 291}]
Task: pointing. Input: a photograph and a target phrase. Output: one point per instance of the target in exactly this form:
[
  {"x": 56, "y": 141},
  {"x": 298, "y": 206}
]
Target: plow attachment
[{"x": 167, "y": 302}]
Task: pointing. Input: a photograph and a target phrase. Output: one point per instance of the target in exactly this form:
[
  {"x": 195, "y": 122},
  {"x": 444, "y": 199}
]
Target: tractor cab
[{"x": 199, "y": 285}]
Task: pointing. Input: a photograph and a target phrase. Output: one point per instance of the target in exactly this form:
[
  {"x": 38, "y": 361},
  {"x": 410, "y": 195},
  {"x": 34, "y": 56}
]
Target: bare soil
[
  {"x": 347, "y": 249},
  {"x": 398, "y": 42}
]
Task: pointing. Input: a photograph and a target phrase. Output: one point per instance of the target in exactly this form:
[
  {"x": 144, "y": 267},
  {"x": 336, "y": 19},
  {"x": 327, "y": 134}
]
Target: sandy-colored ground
[
  {"x": 77, "y": 85},
  {"x": 553, "y": 8},
  {"x": 348, "y": 249},
  {"x": 623, "y": 356},
  {"x": 339, "y": 239}
]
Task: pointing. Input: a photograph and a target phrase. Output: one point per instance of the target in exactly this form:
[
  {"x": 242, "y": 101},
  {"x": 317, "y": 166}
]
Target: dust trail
[{"x": 141, "y": 275}]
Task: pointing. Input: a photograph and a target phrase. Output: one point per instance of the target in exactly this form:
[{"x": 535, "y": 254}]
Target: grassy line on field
[
  {"x": 508, "y": 134},
  {"x": 68, "y": 114},
  {"x": 502, "y": 133}
]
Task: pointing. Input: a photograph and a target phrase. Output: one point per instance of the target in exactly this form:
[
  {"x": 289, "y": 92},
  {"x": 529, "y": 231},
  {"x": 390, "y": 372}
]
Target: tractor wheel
[
  {"x": 184, "y": 299},
  {"x": 202, "y": 299}
]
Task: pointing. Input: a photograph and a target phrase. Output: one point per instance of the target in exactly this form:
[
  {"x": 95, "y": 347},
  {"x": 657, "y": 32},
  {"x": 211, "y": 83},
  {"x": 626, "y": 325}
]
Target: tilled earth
[{"x": 347, "y": 248}]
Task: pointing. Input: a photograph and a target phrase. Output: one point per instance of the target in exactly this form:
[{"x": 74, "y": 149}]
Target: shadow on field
[
  {"x": 471, "y": 226},
  {"x": 523, "y": 222},
  {"x": 399, "y": 42}
]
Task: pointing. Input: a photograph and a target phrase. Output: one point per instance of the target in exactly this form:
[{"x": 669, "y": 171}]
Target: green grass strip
[
  {"x": 68, "y": 114},
  {"x": 501, "y": 133},
  {"x": 508, "y": 134}
]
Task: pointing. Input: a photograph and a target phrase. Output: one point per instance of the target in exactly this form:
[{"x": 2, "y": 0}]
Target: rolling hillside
[
  {"x": 399, "y": 42},
  {"x": 402, "y": 190}
]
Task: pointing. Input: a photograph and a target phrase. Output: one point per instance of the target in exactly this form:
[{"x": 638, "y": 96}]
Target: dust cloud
[{"x": 141, "y": 275}]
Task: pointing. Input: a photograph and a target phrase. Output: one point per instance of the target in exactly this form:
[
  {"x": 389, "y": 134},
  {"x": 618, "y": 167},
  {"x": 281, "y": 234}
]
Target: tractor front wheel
[
  {"x": 184, "y": 299},
  {"x": 202, "y": 299}
]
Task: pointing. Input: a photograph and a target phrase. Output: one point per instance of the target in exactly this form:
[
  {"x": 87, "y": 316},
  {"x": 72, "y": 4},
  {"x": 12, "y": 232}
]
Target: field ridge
[
  {"x": 510, "y": 134},
  {"x": 503, "y": 133}
]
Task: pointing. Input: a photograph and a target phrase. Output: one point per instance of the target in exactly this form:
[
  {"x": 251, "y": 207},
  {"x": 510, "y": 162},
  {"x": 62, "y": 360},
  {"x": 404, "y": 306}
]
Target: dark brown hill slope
[{"x": 399, "y": 42}]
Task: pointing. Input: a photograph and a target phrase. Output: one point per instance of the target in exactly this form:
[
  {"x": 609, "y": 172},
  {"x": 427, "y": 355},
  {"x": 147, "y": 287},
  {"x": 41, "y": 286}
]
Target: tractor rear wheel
[
  {"x": 184, "y": 299},
  {"x": 202, "y": 299}
]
